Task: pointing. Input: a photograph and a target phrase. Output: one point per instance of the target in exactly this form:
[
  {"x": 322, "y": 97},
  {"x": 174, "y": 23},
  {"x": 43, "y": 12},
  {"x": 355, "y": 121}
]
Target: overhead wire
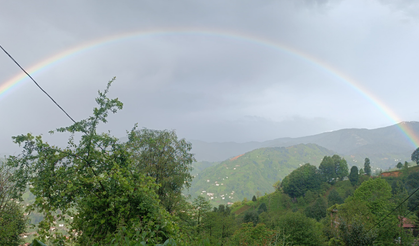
[
  {"x": 398, "y": 206},
  {"x": 400, "y": 219},
  {"x": 52, "y": 99}
]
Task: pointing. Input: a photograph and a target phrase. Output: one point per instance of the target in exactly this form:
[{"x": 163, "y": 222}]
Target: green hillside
[
  {"x": 198, "y": 167},
  {"x": 254, "y": 172},
  {"x": 385, "y": 146}
]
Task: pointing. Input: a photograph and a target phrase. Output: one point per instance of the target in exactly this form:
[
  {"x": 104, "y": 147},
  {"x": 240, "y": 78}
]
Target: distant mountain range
[
  {"x": 253, "y": 172},
  {"x": 384, "y": 146},
  {"x": 227, "y": 172}
]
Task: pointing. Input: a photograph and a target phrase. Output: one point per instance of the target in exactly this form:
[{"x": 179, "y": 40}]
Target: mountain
[
  {"x": 384, "y": 146},
  {"x": 253, "y": 172},
  {"x": 217, "y": 151}
]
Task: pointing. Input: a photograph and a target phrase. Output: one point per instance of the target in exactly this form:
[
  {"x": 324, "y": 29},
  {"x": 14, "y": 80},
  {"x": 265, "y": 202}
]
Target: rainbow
[{"x": 319, "y": 64}]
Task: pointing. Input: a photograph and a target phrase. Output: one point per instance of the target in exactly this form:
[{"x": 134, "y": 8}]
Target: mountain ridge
[{"x": 350, "y": 142}]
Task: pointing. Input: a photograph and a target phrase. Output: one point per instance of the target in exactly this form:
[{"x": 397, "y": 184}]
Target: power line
[
  {"x": 400, "y": 219},
  {"x": 37, "y": 84},
  {"x": 407, "y": 198}
]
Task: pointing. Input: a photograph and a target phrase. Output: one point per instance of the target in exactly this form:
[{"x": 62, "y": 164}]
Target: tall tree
[
  {"x": 202, "y": 208},
  {"x": 165, "y": 158},
  {"x": 333, "y": 168},
  {"x": 220, "y": 225},
  {"x": 399, "y": 165},
  {"x": 92, "y": 180},
  {"x": 367, "y": 167},
  {"x": 301, "y": 180},
  {"x": 406, "y": 165},
  {"x": 415, "y": 156},
  {"x": 353, "y": 176}
]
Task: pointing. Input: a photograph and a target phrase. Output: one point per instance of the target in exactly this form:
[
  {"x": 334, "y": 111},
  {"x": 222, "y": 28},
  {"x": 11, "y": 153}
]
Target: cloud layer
[{"x": 214, "y": 87}]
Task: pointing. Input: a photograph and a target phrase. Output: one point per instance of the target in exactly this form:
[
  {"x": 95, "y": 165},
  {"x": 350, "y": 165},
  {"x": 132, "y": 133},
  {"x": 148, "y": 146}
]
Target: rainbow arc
[{"x": 12, "y": 83}]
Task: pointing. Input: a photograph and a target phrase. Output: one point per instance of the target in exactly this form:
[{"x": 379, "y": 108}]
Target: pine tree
[
  {"x": 262, "y": 208},
  {"x": 367, "y": 167},
  {"x": 254, "y": 198},
  {"x": 353, "y": 176},
  {"x": 399, "y": 165}
]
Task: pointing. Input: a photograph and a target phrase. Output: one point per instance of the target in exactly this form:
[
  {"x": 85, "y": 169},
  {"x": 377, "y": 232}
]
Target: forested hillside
[{"x": 254, "y": 172}]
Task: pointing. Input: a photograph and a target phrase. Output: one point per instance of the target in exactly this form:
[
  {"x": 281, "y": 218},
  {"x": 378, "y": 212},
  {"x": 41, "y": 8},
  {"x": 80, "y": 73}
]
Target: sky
[{"x": 214, "y": 71}]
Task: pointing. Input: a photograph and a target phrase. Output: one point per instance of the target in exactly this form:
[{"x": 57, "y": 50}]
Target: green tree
[
  {"x": 249, "y": 234},
  {"x": 357, "y": 219},
  {"x": 301, "y": 180},
  {"x": 356, "y": 233},
  {"x": 367, "y": 167},
  {"x": 333, "y": 168},
  {"x": 415, "y": 156},
  {"x": 376, "y": 193},
  {"x": 220, "y": 225},
  {"x": 12, "y": 219},
  {"x": 317, "y": 210},
  {"x": 301, "y": 229},
  {"x": 397, "y": 187},
  {"x": 92, "y": 180},
  {"x": 202, "y": 207},
  {"x": 361, "y": 172},
  {"x": 399, "y": 165},
  {"x": 334, "y": 198},
  {"x": 262, "y": 208},
  {"x": 353, "y": 176},
  {"x": 412, "y": 181},
  {"x": 161, "y": 155},
  {"x": 254, "y": 198},
  {"x": 251, "y": 216},
  {"x": 413, "y": 202}
]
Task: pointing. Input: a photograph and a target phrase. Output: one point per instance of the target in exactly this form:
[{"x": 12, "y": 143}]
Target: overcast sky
[{"x": 216, "y": 86}]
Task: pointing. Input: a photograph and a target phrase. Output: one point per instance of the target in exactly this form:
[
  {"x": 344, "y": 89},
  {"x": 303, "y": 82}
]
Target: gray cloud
[{"x": 214, "y": 87}]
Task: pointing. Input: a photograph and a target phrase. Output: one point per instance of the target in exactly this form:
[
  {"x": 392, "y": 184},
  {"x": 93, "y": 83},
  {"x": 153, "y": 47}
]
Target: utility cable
[
  {"x": 394, "y": 209},
  {"x": 400, "y": 220},
  {"x": 37, "y": 84}
]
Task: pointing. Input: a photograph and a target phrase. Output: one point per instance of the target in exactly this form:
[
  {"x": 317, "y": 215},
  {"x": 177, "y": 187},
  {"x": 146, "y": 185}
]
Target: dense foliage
[
  {"x": 91, "y": 184},
  {"x": 301, "y": 180},
  {"x": 12, "y": 219},
  {"x": 333, "y": 168},
  {"x": 165, "y": 158}
]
